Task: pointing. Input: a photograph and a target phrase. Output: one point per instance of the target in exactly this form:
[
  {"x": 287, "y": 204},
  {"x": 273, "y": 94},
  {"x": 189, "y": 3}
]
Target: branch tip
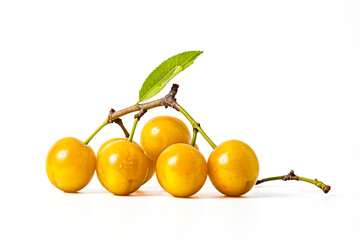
[
  {"x": 326, "y": 188},
  {"x": 109, "y": 118}
]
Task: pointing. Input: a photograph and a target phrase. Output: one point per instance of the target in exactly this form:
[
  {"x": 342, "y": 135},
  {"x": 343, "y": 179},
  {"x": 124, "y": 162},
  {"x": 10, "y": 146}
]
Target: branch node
[
  {"x": 195, "y": 126},
  {"x": 110, "y": 119},
  {"x": 290, "y": 176},
  {"x": 140, "y": 114},
  {"x": 169, "y": 100}
]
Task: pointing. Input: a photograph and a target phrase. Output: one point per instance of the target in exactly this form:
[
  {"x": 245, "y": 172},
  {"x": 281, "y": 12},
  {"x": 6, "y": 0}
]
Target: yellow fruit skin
[
  {"x": 151, "y": 163},
  {"x": 70, "y": 164},
  {"x": 197, "y": 147},
  {"x": 108, "y": 142},
  {"x": 181, "y": 170},
  {"x": 151, "y": 170},
  {"x": 161, "y": 132},
  {"x": 122, "y": 167},
  {"x": 233, "y": 168}
]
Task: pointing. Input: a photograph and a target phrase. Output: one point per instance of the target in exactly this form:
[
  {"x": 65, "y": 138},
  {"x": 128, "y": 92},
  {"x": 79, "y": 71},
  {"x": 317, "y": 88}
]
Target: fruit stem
[
  {"x": 292, "y": 176},
  {"x": 96, "y": 131},
  {"x": 194, "y": 124},
  {"x": 133, "y": 129},
  {"x": 168, "y": 100},
  {"x": 121, "y": 124},
  {"x": 193, "y": 140}
]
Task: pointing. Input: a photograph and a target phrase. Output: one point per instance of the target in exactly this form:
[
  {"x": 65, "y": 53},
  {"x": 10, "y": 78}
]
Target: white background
[{"x": 282, "y": 76}]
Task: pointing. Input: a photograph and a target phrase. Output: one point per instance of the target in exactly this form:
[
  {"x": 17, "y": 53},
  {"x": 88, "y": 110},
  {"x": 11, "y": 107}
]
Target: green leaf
[{"x": 166, "y": 71}]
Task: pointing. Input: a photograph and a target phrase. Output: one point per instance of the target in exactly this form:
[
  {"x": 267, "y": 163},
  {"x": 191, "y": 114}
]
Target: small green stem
[
  {"x": 95, "y": 132},
  {"x": 193, "y": 140},
  {"x": 317, "y": 183},
  {"x": 292, "y": 176},
  {"x": 269, "y": 179},
  {"x": 194, "y": 124},
  {"x": 133, "y": 129}
]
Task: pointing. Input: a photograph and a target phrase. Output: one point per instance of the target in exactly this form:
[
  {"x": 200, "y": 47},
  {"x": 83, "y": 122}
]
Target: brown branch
[
  {"x": 117, "y": 121},
  {"x": 140, "y": 114},
  {"x": 168, "y": 101},
  {"x": 121, "y": 124}
]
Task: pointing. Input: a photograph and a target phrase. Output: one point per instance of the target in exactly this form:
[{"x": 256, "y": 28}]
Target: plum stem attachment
[
  {"x": 168, "y": 100},
  {"x": 107, "y": 121},
  {"x": 292, "y": 176},
  {"x": 194, "y": 124},
  {"x": 96, "y": 131},
  {"x": 193, "y": 140},
  {"x": 136, "y": 120}
]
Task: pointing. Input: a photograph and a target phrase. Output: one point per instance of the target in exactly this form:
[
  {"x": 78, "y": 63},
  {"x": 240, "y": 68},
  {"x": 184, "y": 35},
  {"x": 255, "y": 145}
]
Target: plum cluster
[{"x": 123, "y": 166}]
